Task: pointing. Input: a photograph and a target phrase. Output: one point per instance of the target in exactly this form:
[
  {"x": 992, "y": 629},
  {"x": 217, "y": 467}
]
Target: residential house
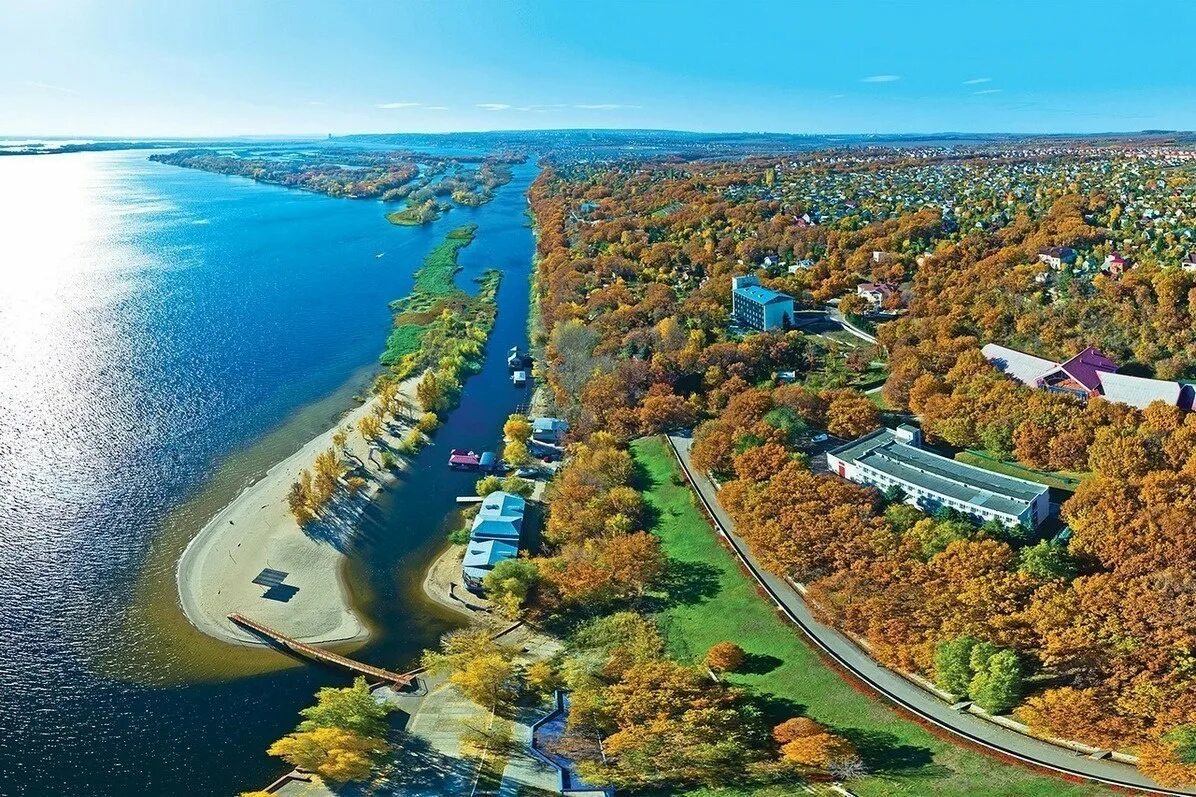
[
  {"x": 876, "y": 293},
  {"x": 1115, "y": 265},
  {"x": 549, "y": 430},
  {"x": 500, "y": 518},
  {"x": 1057, "y": 256},
  {"x": 1189, "y": 262}
]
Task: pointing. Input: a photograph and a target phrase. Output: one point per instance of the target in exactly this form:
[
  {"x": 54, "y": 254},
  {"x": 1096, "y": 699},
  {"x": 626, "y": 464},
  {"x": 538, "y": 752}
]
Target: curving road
[{"x": 899, "y": 690}]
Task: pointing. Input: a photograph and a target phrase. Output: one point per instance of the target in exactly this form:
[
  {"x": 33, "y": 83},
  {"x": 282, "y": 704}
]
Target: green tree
[
  {"x": 997, "y": 687},
  {"x": 509, "y": 583},
  {"x": 352, "y": 708},
  {"x": 518, "y": 486},
  {"x": 953, "y": 664},
  {"x": 1047, "y": 561},
  {"x": 487, "y": 485}
]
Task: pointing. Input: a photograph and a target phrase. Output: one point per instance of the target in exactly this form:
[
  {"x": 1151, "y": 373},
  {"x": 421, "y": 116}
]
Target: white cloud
[
  {"x": 880, "y": 79},
  {"x": 976, "y": 80},
  {"x": 397, "y": 105},
  {"x": 988, "y": 91},
  {"x": 494, "y": 106},
  {"x": 49, "y": 87},
  {"x": 603, "y": 106},
  {"x": 437, "y": 108}
]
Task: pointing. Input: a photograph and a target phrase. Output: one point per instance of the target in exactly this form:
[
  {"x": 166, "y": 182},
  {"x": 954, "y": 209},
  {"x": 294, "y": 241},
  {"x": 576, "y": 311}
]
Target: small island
[{"x": 427, "y": 186}]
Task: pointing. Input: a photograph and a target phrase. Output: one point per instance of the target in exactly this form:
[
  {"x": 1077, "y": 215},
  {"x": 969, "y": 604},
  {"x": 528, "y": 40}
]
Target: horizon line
[{"x": 328, "y": 135}]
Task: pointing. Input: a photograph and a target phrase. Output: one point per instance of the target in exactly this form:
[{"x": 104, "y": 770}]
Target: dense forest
[{"x": 1087, "y": 635}]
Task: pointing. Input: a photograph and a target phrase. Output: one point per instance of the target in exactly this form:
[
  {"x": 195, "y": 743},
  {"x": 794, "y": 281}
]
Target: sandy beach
[{"x": 257, "y": 531}]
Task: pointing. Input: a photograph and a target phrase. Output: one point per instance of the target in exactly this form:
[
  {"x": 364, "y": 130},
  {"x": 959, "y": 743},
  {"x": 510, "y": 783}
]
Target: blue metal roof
[{"x": 762, "y": 295}]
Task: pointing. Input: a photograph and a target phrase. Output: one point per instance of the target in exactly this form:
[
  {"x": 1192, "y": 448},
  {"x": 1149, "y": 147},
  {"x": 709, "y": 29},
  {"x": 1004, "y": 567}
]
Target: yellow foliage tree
[
  {"x": 516, "y": 453},
  {"x": 333, "y": 753},
  {"x": 370, "y": 427}
]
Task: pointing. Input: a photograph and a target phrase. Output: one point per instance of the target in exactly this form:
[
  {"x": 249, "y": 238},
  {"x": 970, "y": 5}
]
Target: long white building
[{"x": 894, "y": 458}]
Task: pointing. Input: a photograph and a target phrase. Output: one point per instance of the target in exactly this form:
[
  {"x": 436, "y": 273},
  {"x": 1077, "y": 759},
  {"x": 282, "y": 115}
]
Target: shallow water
[{"x": 165, "y": 336}]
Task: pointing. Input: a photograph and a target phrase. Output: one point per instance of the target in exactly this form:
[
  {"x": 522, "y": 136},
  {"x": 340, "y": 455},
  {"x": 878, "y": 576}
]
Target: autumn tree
[
  {"x": 517, "y": 427},
  {"x": 516, "y": 453},
  {"x": 850, "y": 415},
  {"x": 725, "y": 657},
  {"x": 370, "y": 427},
  {"x": 332, "y": 753}
]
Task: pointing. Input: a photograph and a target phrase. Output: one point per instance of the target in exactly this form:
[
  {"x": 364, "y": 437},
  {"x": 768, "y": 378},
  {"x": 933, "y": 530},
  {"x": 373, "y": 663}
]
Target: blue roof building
[
  {"x": 500, "y": 518},
  {"x": 481, "y": 557},
  {"x": 757, "y": 307}
]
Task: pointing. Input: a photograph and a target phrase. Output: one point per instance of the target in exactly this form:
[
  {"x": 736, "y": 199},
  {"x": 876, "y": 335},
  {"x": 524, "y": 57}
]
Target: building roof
[
  {"x": 1087, "y": 367},
  {"x": 460, "y": 457},
  {"x": 1138, "y": 391},
  {"x": 485, "y": 554},
  {"x": 1025, "y": 368},
  {"x": 500, "y": 518},
  {"x": 762, "y": 295},
  {"x": 881, "y": 451},
  {"x": 549, "y": 425}
]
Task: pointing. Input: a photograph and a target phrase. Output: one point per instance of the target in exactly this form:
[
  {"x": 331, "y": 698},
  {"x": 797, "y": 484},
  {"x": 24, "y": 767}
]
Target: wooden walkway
[{"x": 325, "y": 656}]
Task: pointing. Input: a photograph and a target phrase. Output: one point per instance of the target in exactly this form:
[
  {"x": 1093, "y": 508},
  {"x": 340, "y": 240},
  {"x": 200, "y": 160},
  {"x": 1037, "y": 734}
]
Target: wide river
[{"x": 165, "y": 336}]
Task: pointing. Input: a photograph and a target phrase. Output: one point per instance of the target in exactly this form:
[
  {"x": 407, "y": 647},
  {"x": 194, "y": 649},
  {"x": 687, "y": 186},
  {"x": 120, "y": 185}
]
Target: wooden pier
[{"x": 321, "y": 655}]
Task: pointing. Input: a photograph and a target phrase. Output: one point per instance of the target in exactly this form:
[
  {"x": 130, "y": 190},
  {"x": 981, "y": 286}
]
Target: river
[{"x": 165, "y": 336}]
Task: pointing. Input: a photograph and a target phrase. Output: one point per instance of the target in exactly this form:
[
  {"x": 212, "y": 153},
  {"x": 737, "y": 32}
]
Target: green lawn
[
  {"x": 710, "y": 600},
  {"x": 1060, "y": 480}
]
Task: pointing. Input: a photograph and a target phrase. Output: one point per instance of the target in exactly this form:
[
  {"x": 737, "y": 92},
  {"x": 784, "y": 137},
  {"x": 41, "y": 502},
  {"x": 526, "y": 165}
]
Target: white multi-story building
[
  {"x": 894, "y": 458},
  {"x": 757, "y": 307}
]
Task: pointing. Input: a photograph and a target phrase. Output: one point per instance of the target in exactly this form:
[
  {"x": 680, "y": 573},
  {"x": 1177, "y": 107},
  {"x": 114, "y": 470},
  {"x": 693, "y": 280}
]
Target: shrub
[{"x": 725, "y": 657}]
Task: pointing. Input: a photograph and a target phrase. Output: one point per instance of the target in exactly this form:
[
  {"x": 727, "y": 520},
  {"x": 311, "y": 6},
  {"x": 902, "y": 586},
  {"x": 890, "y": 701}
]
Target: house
[
  {"x": 1056, "y": 256},
  {"x": 757, "y": 307},
  {"x": 876, "y": 293},
  {"x": 1189, "y": 262},
  {"x": 481, "y": 556},
  {"x": 1088, "y": 374},
  {"x": 1115, "y": 265},
  {"x": 500, "y": 518},
  {"x": 802, "y": 265},
  {"x": 890, "y": 458},
  {"x": 549, "y": 430}
]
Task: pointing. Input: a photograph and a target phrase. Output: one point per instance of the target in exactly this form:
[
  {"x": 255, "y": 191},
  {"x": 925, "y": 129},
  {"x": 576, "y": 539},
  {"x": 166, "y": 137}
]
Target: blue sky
[{"x": 231, "y": 67}]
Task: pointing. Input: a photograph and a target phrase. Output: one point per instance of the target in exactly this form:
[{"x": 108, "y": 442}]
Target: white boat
[{"x": 519, "y": 378}]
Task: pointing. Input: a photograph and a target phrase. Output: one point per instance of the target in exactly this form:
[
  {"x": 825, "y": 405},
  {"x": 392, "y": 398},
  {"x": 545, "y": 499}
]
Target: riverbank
[
  {"x": 442, "y": 586},
  {"x": 257, "y": 531}
]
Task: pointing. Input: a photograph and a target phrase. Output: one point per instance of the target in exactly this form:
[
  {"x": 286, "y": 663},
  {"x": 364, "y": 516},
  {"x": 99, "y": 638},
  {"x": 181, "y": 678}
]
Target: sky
[{"x": 142, "y": 68}]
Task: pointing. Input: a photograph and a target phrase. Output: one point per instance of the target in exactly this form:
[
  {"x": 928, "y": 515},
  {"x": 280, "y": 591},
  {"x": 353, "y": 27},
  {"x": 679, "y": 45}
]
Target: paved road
[
  {"x": 901, "y": 691},
  {"x": 834, "y": 314}
]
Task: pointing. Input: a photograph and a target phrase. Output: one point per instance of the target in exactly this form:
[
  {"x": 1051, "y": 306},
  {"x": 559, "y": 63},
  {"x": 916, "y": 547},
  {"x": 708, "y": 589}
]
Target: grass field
[
  {"x": 1061, "y": 480},
  {"x": 711, "y": 600}
]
